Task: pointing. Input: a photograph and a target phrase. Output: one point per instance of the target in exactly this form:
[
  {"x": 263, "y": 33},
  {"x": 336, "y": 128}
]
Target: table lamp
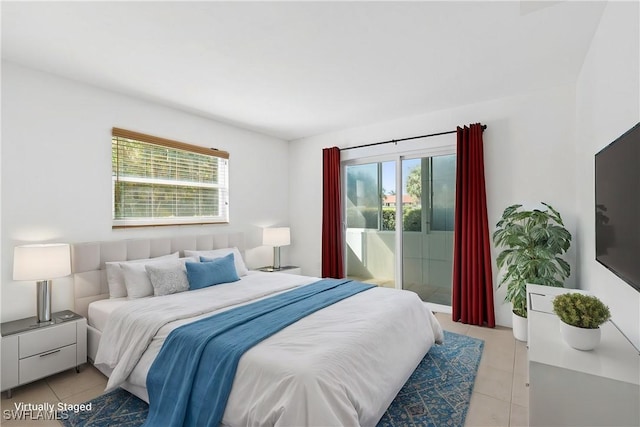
[
  {"x": 42, "y": 263},
  {"x": 276, "y": 237}
]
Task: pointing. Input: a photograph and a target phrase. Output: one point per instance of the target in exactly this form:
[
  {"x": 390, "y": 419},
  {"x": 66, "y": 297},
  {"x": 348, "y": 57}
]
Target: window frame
[
  {"x": 397, "y": 156},
  {"x": 223, "y": 184}
]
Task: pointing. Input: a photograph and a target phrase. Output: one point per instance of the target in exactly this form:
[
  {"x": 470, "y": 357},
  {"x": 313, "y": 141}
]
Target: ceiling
[{"x": 297, "y": 69}]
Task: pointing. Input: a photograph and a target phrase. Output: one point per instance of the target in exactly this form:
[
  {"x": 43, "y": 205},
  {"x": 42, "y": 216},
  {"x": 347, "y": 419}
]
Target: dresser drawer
[
  {"x": 42, "y": 365},
  {"x": 47, "y": 339}
]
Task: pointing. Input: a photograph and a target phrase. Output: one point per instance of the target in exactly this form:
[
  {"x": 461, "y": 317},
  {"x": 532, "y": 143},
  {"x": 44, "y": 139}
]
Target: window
[
  {"x": 157, "y": 181},
  {"x": 427, "y": 182},
  {"x": 430, "y": 183},
  {"x": 371, "y": 196}
]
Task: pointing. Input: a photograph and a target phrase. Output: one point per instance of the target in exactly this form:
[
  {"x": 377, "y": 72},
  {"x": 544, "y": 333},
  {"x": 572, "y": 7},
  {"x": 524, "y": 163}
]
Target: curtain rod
[{"x": 393, "y": 141}]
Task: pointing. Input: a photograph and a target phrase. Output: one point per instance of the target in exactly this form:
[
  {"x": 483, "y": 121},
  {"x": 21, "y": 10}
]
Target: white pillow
[
  {"x": 115, "y": 277},
  {"x": 137, "y": 281},
  {"x": 241, "y": 268}
]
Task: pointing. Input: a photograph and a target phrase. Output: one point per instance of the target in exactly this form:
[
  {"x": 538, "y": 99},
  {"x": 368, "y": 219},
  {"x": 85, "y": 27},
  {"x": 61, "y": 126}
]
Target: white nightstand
[
  {"x": 288, "y": 269},
  {"x": 31, "y": 351}
]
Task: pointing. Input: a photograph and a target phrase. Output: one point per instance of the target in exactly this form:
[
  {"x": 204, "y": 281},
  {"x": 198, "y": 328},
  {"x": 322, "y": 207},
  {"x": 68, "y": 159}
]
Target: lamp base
[
  {"x": 44, "y": 301},
  {"x": 276, "y": 257}
]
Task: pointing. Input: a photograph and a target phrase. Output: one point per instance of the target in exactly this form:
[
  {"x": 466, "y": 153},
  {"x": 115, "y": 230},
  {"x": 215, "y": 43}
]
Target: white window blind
[{"x": 162, "y": 182}]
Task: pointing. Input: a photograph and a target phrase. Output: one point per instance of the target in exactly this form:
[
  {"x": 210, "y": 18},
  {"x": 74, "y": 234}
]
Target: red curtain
[
  {"x": 472, "y": 298},
  {"x": 332, "y": 263}
]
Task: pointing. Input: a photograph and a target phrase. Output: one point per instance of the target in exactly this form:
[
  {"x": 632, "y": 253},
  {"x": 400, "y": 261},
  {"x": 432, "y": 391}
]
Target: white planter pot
[
  {"x": 580, "y": 338},
  {"x": 520, "y": 327}
]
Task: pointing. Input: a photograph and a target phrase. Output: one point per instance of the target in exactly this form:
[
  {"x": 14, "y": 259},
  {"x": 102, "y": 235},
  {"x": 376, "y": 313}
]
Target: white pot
[
  {"x": 520, "y": 327},
  {"x": 580, "y": 338}
]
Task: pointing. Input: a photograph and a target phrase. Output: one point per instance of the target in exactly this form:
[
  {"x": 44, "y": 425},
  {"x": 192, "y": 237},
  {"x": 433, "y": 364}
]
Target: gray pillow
[{"x": 168, "y": 279}]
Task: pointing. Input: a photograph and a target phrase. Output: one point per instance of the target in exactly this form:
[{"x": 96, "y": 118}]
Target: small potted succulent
[{"x": 581, "y": 316}]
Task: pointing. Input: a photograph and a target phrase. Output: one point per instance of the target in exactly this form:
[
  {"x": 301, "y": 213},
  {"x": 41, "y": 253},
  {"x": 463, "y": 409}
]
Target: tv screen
[{"x": 617, "y": 178}]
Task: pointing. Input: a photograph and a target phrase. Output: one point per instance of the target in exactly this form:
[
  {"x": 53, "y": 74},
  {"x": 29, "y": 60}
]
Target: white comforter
[{"x": 342, "y": 365}]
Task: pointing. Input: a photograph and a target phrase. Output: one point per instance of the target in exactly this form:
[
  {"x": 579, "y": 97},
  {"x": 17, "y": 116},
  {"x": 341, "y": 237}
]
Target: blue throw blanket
[{"x": 190, "y": 381}]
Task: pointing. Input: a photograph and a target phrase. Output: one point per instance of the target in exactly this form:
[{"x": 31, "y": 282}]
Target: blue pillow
[{"x": 211, "y": 272}]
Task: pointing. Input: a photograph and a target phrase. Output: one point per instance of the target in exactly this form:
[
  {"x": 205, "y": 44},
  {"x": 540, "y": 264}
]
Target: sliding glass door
[
  {"x": 419, "y": 194},
  {"x": 427, "y": 241},
  {"x": 370, "y": 223}
]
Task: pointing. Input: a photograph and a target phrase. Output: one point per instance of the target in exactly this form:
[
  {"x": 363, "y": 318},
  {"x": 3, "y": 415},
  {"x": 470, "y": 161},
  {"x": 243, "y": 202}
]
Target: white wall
[
  {"x": 607, "y": 105},
  {"x": 56, "y": 172},
  {"x": 529, "y": 157}
]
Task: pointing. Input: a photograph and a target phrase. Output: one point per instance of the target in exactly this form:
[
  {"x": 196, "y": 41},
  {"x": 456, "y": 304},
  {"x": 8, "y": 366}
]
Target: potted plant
[
  {"x": 581, "y": 316},
  {"x": 533, "y": 241}
]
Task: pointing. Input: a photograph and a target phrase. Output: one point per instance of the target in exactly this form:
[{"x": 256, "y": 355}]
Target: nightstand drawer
[
  {"x": 45, "y": 340},
  {"x": 42, "y": 365}
]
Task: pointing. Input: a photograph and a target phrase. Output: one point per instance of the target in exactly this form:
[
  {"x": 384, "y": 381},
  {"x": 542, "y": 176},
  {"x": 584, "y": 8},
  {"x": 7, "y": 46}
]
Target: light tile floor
[
  {"x": 500, "y": 396},
  {"x": 66, "y": 387}
]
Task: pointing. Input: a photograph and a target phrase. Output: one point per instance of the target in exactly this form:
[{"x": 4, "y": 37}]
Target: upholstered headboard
[{"x": 88, "y": 259}]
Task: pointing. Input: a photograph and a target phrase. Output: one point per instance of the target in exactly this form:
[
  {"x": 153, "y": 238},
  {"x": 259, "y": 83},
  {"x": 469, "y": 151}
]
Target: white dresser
[{"x": 569, "y": 387}]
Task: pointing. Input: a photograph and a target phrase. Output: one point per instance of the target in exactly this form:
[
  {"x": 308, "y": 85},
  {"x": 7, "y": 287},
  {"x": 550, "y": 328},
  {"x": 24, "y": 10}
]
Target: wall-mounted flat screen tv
[{"x": 617, "y": 176}]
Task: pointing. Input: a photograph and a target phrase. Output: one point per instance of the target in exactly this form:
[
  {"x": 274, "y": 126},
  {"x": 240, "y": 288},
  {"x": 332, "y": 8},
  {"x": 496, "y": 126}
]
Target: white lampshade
[
  {"x": 278, "y": 236},
  {"x": 41, "y": 262}
]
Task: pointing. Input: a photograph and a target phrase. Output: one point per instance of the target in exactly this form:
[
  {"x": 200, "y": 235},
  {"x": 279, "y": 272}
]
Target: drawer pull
[{"x": 51, "y": 352}]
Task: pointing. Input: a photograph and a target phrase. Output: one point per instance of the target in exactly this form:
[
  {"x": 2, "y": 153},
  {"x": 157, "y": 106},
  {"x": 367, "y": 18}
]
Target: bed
[{"x": 341, "y": 365}]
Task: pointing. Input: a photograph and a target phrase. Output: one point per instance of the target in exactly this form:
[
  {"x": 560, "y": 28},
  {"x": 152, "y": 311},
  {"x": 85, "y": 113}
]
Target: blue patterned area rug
[{"x": 437, "y": 393}]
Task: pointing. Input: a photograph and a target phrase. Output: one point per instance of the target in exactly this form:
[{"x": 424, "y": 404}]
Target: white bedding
[
  {"x": 99, "y": 311},
  {"x": 342, "y": 365}
]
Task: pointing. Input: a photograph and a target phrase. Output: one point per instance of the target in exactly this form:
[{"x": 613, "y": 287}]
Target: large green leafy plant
[{"x": 533, "y": 241}]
